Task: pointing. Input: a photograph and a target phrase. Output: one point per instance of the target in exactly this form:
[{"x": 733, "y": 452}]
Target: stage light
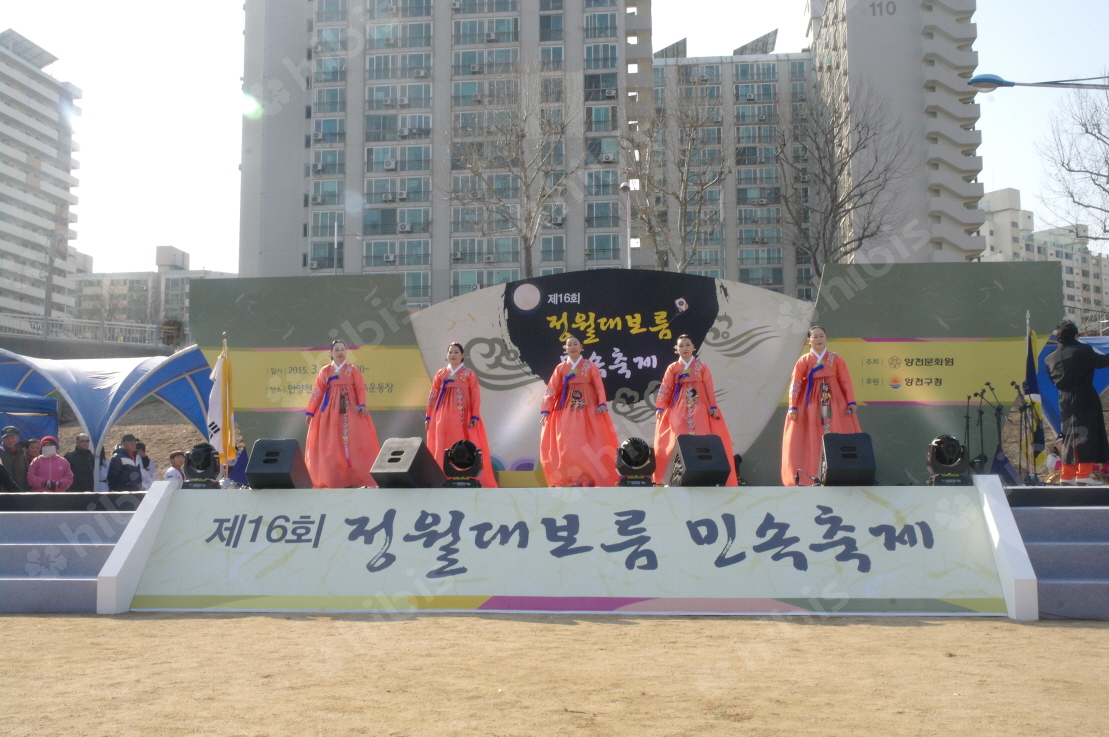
[
  {"x": 201, "y": 467},
  {"x": 462, "y": 464},
  {"x": 947, "y": 460},
  {"x": 635, "y": 462}
]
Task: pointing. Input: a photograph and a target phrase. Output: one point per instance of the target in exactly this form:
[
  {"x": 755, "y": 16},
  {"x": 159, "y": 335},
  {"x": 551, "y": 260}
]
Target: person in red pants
[{"x": 1082, "y": 424}]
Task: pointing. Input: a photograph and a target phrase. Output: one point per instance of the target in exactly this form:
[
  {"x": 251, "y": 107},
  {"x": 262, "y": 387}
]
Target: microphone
[{"x": 989, "y": 385}]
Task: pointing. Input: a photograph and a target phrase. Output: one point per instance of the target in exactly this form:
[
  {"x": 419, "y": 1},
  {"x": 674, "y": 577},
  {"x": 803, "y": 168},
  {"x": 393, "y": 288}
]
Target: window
[
  {"x": 805, "y": 293},
  {"x": 330, "y": 162},
  {"x": 464, "y": 282},
  {"x": 601, "y": 150},
  {"x": 550, "y": 4},
  {"x": 552, "y": 270},
  {"x": 602, "y": 215},
  {"x": 601, "y": 182},
  {"x": 804, "y": 275},
  {"x": 600, "y": 56},
  {"x": 797, "y": 91},
  {"x": 600, "y": 25},
  {"x": 327, "y": 192},
  {"x": 797, "y": 70},
  {"x": 552, "y": 248},
  {"x": 600, "y": 87},
  {"x": 551, "y": 58},
  {"x": 326, "y": 256},
  {"x": 551, "y": 89},
  {"x": 605, "y": 247},
  {"x": 329, "y": 130},
  {"x": 331, "y": 69},
  {"x": 417, "y": 288},
  {"x": 326, "y": 224},
  {"x": 600, "y": 119},
  {"x": 331, "y": 100},
  {"x": 331, "y": 39},
  {"x": 550, "y": 28},
  {"x": 761, "y": 277},
  {"x": 331, "y": 11},
  {"x": 760, "y": 256}
]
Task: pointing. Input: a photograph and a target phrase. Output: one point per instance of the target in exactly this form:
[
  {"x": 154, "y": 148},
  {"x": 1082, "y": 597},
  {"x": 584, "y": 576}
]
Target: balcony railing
[
  {"x": 756, "y": 97},
  {"x": 397, "y": 103},
  {"x": 399, "y": 73},
  {"x": 329, "y": 169},
  {"x": 757, "y": 77},
  {"x": 602, "y": 221},
  {"x": 483, "y": 99},
  {"x": 600, "y": 31},
  {"x": 398, "y": 165},
  {"x": 326, "y": 199},
  {"x": 404, "y": 259},
  {"x": 554, "y": 254},
  {"x": 331, "y": 106},
  {"x": 394, "y": 228},
  {"x": 92, "y": 331},
  {"x": 492, "y": 257},
  {"x": 460, "y": 70},
  {"x": 499, "y": 37},
  {"x": 326, "y": 231},
  {"x": 487, "y": 6},
  {"x": 331, "y": 16},
  {"x": 602, "y": 254},
  {"x": 760, "y": 260},
  {"x": 551, "y": 65},
  {"x": 331, "y": 75},
  {"x": 594, "y": 190},
  {"x": 749, "y": 118},
  {"x": 611, "y": 94}
]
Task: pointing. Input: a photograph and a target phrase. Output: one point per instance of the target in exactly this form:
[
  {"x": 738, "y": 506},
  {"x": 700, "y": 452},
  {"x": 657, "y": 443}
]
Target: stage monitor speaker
[
  {"x": 699, "y": 460},
  {"x": 406, "y": 463},
  {"x": 847, "y": 459},
  {"x": 277, "y": 464}
]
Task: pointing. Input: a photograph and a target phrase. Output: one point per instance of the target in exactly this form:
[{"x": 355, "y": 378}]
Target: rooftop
[{"x": 26, "y": 50}]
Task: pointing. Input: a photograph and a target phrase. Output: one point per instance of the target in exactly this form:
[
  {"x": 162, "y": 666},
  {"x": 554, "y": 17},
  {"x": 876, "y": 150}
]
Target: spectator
[
  {"x": 6, "y": 482},
  {"x": 14, "y": 457},
  {"x": 49, "y": 471},
  {"x": 102, "y": 481},
  {"x": 176, "y": 466},
  {"x": 123, "y": 471},
  {"x": 33, "y": 448},
  {"x": 82, "y": 463},
  {"x": 146, "y": 465}
]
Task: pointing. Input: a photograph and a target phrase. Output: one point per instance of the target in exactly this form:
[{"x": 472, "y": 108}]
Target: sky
[{"x": 161, "y": 125}]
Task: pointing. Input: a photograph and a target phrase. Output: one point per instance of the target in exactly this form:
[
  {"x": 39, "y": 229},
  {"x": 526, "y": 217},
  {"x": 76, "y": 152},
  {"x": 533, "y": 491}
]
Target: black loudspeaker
[
  {"x": 277, "y": 464},
  {"x": 699, "y": 460},
  {"x": 847, "y": 459},
  {"x": 407, "y": 463}
]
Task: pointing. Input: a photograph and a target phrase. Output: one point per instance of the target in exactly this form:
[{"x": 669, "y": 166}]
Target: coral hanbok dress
[
  {"x": 342, "y": 444},
  {"x": 821, "y": 392},
  {"x": 685, "y": 398},
  {"x": 455, "y": 399},
  {"x": 577, "y": 446}
]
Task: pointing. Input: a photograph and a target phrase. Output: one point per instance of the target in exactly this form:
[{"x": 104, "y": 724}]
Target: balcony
[
  {"x": 602, "y": 254},
  {"x": 398, "y": 165},
  {"x": 602, "y": 221},
  {"x": 595, "y": 190},
  {"x": 606, "y": 94},
  {"x": 394, "y": 228},
  {"x": 600, "y": 32},
  {"x": 602, "y": 62},
  {"x": 330, "y": 106},
  {"x": 325, "y": 137},
  {"x": 553, "y": 254},
  {"x": 498, "y": 37},
  {"x": 331, "y": 16},
  {"x": 492, "y": 257},
  {"x": 551, "y": 65},
  {"x": 771, "y": 76},
  {"x": 326, "y": 231},
  {"x": 403, "y": 259},
  {"x": 332, "y": 75},
  {"x": 328, "y": 169},
  {"x": 760, "y": 260},
  {"x": 325, "y": 262},
  {"x": 745, "y": 117},
  {"x": 483, "y": 99},
  {"x": 467, "y": 7},
  {"x": 401, "y": 72},
  {"x": 465, "y": 70},
  {"x": 756, "y": 97},
  {"x": 329, "y": 198},
  {"x": 398, "y": 103}
]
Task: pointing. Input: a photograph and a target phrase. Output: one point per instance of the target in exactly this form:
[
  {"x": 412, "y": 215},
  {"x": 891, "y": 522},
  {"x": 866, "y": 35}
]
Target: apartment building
[
  {"x": 36, "y": 179},
  {"x": 142, "y": 297},
  {"x": 1011, "y": 235},
  {"x": 750, "y": 96},
  {"x": 354, "y": 160},
  {"x": 916, "y": 57}
]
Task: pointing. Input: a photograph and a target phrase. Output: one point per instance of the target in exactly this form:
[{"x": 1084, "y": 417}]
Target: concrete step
[
  {"x": 26, "y": 560},
  {"x": 37, "y": 595},
  {"x": 1074, "y": 599},
  {"x": 1069, "y": 560},
  {"x": 63, "y": 527},
  {"x": 1063, "y": 524}
]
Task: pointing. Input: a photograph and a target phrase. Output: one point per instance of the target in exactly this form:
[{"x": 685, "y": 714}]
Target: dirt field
[{"x": 251, "y": 675}]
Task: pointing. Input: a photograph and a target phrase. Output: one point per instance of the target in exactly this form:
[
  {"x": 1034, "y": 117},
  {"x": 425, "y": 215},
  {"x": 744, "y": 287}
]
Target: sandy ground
[{"x": 499, "y": 675}]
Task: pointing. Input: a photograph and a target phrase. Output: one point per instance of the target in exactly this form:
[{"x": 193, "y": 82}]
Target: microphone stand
[
  {"x": 966, "y": 426},
  {"x": 979, "y": 462},
  {"x": 998, "y": 413}
]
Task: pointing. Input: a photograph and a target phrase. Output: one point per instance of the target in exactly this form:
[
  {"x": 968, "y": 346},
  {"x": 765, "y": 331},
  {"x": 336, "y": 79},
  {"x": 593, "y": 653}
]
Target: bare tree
[
  {"x": 677, "y": 157},
  {"x": 843, "y": 165},
  {"x": 1077, "y": 160},
  {"x": 509, "y": 174}
]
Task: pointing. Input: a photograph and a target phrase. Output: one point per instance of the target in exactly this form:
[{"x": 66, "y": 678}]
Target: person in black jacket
[
  {"x": 82, "y": 462},
  {"x": 1082, "y": 424},
  {"x": 6, "y": 482},
  {"x": 123, "y": 471}
]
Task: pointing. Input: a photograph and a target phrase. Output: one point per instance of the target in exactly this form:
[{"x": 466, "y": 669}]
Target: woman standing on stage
[
  {"x": 686, "y": 405},
  {"x": 577, "y": 445},
  {"x": 454, "y": 413},
  {"x": 821, "y": 400},
  {"x": 342, "y": 442}
]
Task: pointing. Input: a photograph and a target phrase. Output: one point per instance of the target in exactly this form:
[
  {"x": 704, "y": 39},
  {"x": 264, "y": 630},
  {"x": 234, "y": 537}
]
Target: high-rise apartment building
[
  {"x": 36, "y": 164},
  {"x": 354, "y": 162},
  {"x": 916, "y": 57}
]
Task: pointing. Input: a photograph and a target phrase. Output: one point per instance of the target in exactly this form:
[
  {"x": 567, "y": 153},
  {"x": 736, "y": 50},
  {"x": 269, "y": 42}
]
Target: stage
[{"x": 743, "y": 551}]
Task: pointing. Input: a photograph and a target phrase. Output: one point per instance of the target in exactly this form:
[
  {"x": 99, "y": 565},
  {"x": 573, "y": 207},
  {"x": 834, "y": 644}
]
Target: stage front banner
[{"x": 648, "y": 550}]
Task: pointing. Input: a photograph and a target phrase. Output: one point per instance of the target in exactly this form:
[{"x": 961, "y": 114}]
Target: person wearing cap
[
  {"x": 82, "y": 463},
  {"x": 49, "y": 471},
  {"x": 14, "y": 457},
  {"x": 146, "y": 465},
  {"x": 123, "y": 472}
]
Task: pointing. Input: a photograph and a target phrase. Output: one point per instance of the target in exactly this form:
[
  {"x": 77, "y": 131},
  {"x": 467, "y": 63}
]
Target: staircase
[
  {"x": 1069, "y": 550},
  {"x": 52, "y": 547}
]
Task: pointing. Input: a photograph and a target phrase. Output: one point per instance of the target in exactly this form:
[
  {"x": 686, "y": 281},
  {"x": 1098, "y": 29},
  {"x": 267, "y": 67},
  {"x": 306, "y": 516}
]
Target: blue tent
[
  {"x": 1049, "y": 395},
  {"x": 35, "y": 417},
  {"x": 101, "y": 391}
]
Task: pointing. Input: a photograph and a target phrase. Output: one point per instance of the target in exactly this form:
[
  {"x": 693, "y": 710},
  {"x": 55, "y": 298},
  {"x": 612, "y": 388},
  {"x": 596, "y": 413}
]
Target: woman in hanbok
[
  {"x": 686, "y": 405},
  {"x": 821, "y": 400},
  {"x": 342, "y": 442},
  {"x": 577, "y": 445},
  {"x": 454, "y": 413}
]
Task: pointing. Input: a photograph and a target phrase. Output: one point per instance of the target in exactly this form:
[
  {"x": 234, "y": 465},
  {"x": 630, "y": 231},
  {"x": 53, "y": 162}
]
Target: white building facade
[{"x": 36, "y": 181}]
